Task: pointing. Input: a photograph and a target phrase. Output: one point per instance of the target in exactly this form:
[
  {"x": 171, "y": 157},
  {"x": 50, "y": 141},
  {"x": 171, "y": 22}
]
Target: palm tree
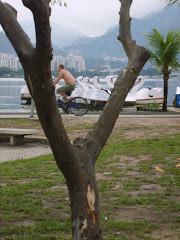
[
  {"x": 171, "y": 2},
  {"x": 164, "y": 55}
]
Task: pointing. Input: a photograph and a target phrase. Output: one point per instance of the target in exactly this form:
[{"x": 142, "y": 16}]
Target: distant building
[
  {"x": 56, "y": 61},
  {"x": 107, "y": 58},
  {"x": 115, "y": 59},
  {"x": 79, "y": 63},
  {"x": 70, "y": 61},
  {"x": 110, "y": 71},
  {"x": 75, "y": 62},
  {"x": 10, "y": 61}
]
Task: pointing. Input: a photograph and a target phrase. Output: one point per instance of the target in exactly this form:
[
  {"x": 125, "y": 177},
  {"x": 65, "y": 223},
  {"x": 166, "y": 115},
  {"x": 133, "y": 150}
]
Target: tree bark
[
  {"x": 77, "y": 160},
  {"x": 165, "y": 78}
]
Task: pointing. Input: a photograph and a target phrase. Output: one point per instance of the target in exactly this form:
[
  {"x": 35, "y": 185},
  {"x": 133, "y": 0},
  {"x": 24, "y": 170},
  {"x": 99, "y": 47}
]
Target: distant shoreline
[{"x": 147, "y": 78}]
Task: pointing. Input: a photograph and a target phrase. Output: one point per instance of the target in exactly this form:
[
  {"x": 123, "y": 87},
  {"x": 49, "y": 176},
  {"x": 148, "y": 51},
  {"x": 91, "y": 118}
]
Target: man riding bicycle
[{"x": 69, "y": 80}]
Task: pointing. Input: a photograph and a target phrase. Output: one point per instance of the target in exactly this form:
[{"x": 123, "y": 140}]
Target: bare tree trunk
[
  {"x": 85, "y": 208},
  {"x": 76, "y": 161}
]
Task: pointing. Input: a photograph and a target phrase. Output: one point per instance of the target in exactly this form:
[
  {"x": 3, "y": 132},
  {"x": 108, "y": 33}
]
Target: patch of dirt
[
  {"x": 23, "y": 181},
  {"x": 59, "y": 214},
  {"x": 101, "y": 176},
  {"x": 140, "y": 127},
  {"x": 146, "y": 189},
  {"x": 3, "y": 184},
  {"x": 136, "y": 213},
  {"x": 117, "y": 186},
  {"x": 138, "y": 174},
  {"x": 58, "y": 187},
  {"x": 26, "y": 222},
  {"x": 130, "y": 127},
  {"x": 126, "y": 160},
  {"x": 165, "y": 234}
]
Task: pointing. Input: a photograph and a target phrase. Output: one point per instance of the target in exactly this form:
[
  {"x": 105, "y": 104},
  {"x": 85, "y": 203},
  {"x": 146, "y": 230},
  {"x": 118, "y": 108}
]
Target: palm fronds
[
  {"x": 164, "y": 52},
  {"x": 170, "y": 2}
]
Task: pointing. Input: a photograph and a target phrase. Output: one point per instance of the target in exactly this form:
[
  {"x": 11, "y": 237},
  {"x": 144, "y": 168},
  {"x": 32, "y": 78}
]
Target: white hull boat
[
  {"x": 130, "y": 100},
  {"x": 145, "y": 96},
  {"x": 24, "y": 93},
  {"x": 103, "y": 94}
]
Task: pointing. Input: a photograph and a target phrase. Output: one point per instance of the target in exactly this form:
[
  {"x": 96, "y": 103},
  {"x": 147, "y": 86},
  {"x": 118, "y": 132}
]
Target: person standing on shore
[{"x": 69, "y": 80}]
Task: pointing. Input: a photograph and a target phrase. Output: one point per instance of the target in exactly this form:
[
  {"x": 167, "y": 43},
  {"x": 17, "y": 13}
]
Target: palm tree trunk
[{"x": 165, "y": 77}]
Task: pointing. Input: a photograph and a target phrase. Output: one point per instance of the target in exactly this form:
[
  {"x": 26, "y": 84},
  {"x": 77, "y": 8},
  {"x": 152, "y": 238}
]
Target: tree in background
[
  {"x": 164, "y": 53},
  {"x": 171, "y": 2},
  {"x": 4, "y": 71},
  {"x": 75, "y": 160}
]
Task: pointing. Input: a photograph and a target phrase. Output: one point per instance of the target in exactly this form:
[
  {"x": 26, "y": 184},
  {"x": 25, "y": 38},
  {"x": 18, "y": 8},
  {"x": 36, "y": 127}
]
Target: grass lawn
[{"x": 137, "y": 201}]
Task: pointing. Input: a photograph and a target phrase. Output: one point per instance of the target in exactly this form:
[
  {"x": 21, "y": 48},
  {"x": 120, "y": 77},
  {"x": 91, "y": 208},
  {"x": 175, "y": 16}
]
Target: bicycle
[{"x": 77, "y": 106}]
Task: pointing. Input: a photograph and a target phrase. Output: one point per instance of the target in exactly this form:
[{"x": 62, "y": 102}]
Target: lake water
[{"x": 10, "y": 90}]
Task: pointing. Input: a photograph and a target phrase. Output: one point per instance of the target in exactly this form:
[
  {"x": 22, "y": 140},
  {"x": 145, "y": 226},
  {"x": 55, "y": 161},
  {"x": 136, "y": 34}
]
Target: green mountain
[{"x": 108, "y": 45}]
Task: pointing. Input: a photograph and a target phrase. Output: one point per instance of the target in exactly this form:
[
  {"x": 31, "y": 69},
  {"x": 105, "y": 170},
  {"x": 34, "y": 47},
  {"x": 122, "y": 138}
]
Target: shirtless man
[{"x": 70, "y": 82}]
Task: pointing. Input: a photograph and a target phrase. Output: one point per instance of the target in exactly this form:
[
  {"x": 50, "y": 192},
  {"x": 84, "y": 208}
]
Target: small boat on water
[
  {"x": 93, "y": 93},
  {"x": 100, "y": 94},
  {"x": 130, "y": 100},
  {"x": 145, "y": 96}
]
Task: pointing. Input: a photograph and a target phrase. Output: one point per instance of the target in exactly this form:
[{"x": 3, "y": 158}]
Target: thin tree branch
[
  {"x": 41, "y": 13},
  {"x": 125, "y": 28},
  {"x": 138, "y": 56}
]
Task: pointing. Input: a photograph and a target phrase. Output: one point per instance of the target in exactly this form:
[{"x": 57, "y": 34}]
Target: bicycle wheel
[{"x": 79, "y": 106}]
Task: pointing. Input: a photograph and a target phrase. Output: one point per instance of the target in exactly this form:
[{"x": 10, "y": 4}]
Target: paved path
[
  {"x": 137, "y": 115},
  {"x": 29, "y": 150}
]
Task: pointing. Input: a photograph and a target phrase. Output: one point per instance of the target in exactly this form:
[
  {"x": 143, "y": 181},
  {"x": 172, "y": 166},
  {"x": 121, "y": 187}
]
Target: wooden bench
[{"x": 16, "y": 135}]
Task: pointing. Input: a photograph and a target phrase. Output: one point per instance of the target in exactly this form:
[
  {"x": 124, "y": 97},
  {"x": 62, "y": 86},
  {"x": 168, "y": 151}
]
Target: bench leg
[{"x": 16, "y": 140}]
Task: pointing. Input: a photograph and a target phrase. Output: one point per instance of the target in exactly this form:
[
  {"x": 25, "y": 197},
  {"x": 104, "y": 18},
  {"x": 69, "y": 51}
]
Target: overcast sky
[{"x": 91, "y": 17}]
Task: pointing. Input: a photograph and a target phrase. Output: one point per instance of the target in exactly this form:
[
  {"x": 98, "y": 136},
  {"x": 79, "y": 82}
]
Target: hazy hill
[
  {"x": 105, "y": 45},
  {"x": 61, "y": 37},
  {"x": 5, "y": 45},
  {"x": 108, "y": 45}
]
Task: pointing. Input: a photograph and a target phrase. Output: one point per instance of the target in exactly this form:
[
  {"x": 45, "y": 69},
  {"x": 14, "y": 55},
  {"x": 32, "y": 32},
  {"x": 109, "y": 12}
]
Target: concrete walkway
[
  {"x": 122, "y": 115},
  {"x": 29, "y": 150}
]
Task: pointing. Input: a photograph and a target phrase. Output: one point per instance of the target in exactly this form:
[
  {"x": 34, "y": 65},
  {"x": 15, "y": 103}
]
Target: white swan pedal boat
[
  {"x": 93, "y": 93},
  {"x": 145, "y": 96}
]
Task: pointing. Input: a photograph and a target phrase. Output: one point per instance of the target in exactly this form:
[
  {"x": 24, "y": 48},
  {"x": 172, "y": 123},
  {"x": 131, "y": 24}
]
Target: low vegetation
[{"x": 138, "y": 178}]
